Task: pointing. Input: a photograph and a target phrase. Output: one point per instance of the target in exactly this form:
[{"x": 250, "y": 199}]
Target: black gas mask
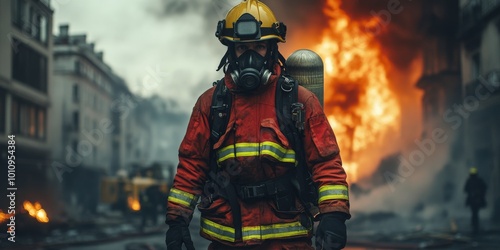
[{"x": 250, "y": 71}]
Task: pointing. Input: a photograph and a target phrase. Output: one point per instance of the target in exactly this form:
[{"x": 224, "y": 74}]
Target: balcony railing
[{"x": 475, "y": 11}]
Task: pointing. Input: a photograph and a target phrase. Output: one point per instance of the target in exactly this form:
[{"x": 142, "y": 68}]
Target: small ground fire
[{"x": 36, "y": 211}]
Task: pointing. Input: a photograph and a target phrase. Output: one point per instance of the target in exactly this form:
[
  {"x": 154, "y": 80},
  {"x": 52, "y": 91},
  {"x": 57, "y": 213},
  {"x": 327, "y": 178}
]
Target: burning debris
[
  {"x": 133, "y": 203},
  {"x": 4, "y": 216},
  {"x": 36, "y": 211}
]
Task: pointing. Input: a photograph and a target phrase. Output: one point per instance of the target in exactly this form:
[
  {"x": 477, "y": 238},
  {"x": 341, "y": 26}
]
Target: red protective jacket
[{"x": 254, "y": 149}]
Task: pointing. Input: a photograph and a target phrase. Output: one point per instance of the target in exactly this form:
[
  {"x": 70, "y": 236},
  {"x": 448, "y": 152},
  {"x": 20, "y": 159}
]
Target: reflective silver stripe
[
  {"x": 333, "y": 192},
  {"x": 273, "y": 231},
  {"x": 183, "y": 198},
  {"x": 248, "y": 149}
]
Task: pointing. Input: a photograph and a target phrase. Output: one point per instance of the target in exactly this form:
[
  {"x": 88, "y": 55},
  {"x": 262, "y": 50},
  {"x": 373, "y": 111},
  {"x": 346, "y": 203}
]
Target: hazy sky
[{"x": 166, "y": 47}]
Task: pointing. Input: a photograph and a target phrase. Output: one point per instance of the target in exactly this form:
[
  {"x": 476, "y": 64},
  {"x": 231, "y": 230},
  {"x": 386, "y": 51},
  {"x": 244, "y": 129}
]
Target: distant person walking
[
  {"x": 475, "y": 188},
  {"x": 149, "y": 200}
]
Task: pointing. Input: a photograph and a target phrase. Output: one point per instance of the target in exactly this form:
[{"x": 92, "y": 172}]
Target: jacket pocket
[
  {"x": 219, "y": 208},
  {"x": 289, "y": 213},
  {"x": 322, "y": 136},
  {"x": 270, "y": 131},
  {"x": 274, "y": 146},
  {"x": 223, "y": 137}
]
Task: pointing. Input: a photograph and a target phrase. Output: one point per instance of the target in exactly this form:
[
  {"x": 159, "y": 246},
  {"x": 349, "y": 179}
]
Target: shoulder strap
[
  {"x": 291, "y": 113},
  {"x": 288, "y": 110},
  {"x": 219, "y": 111},
  {"x": 219, "y": 118}
]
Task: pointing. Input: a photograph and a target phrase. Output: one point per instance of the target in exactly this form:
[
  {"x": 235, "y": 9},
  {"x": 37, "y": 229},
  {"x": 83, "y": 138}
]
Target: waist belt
[
  {"x": 268, "y": 188},
  {"x": 280, "y": 186}
]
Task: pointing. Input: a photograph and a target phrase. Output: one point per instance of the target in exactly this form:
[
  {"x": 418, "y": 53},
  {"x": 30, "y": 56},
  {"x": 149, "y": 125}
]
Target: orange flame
[
  {"x": 358, "y": 101},
  {"x": 36, "y": 211},
  {"x": 4, "y": 216},
  {"x": 133, "y": 204}
]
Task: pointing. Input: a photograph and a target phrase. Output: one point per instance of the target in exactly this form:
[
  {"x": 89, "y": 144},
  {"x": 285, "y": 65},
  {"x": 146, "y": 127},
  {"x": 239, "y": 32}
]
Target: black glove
[
  {"x": 331, "y": 233},
  {"x": 177, "y": 234}
]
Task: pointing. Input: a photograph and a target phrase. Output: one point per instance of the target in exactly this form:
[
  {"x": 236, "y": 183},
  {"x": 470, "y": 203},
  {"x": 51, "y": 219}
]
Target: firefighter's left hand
[{"x": 331, "y": 233}]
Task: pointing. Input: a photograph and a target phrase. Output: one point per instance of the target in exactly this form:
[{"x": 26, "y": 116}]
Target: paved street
[
  {"x": 155, "y": 242},
  {"x": 119, "y": 234}
]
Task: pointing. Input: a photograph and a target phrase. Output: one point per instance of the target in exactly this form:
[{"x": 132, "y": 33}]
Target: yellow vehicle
[{"x": 124, "y": 194}]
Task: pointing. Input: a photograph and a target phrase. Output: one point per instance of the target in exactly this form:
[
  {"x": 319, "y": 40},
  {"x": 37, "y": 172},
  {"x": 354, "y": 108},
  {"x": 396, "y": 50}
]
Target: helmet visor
[{"x": 247, "y": 27}]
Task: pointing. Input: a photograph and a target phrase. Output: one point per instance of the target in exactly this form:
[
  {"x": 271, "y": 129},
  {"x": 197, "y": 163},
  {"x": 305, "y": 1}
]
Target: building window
[
  {"x": 28, "y": 119},
  {"x": 475, "y": 65},
  {"x": 31, "y": 123},
  {"x": 30, "y": 20},
  {"x": 76, "y": 120},
  {"x": 29, "y": 66},
  {"x": 83, "y": 95},
  {"x": 2, "y": 110},
  {"x": 78, "y": 67},
  {"x": 14, "y": 119},
  {"x": 41, "y": 123},
  {"x": 43, "y": 28},
  {"x": 76, "y": 93},
  {"x": 18, "y": 10},
  {"x": 24, "y": 119}
]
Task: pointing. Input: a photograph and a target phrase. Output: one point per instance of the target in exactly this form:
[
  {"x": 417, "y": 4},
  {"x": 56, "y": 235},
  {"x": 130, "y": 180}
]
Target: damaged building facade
[
  {"x": 461, "y": 83},
  {"x": 479, "y": 37},
  {"x": 441, "y": 86}
]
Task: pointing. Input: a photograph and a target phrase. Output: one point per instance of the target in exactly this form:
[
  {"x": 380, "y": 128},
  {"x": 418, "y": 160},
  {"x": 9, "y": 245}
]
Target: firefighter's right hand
[
  {"x": 331, "y": 233},
  {"x": 178, "y": 234}
]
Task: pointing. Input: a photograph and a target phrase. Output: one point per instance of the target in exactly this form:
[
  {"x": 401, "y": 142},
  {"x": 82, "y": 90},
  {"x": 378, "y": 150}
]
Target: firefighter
[
  {"x": 252, "y": 199},
  {"x": 476, "y": 192},
  {"x": 149, "y": 200}
]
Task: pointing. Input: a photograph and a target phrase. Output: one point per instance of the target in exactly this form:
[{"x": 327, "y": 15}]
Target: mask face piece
[{"x": 251, "y": 71}]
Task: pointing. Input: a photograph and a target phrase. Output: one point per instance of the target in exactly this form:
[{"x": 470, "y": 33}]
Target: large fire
[
  {"x": 358, "y": 101},
  {"x": 36, "y": 211}
]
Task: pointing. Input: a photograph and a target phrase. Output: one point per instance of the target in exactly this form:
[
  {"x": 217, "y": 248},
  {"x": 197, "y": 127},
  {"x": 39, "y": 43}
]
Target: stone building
[
  {"x": 480, "y": 63},
  {"x": 25, "y": 83},
  {"x": 82, "y": 127}
]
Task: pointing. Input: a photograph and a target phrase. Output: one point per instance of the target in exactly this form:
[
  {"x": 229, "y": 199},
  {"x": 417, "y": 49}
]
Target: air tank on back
[{"x": 307, "y": 67}]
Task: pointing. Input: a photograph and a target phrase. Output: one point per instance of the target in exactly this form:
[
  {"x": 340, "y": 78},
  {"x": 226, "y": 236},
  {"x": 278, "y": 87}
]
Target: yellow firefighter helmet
[
  {"x": 250, "y": 21},
  {"x": 473, "y": 170}
]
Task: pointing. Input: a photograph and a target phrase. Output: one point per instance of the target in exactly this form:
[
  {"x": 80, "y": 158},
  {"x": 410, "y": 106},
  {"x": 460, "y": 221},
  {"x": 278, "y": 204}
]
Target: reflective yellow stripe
[
  {"x": 333, "y": 192},
  {"x": 265, "y": 232},
  {"x": 274, "y": 231},
  {"x": 217, "y": 231},
  {"x": 183, "y": 198},
  {"x": 248, "y": 149}
]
